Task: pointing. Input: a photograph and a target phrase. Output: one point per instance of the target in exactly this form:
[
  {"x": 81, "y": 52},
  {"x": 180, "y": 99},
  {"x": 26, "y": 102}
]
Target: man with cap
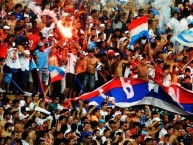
[
  {"x": 42, "y": 60},
  {"x": 110, "y": 64},
  {"x": 12, "y": 22},
  {"x": 102, "y": 30}
]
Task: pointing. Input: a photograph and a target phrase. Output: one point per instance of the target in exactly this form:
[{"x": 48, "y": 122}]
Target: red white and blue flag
[
  {"x": 138, "y": 28},
  {"x": 127, "y": 93},
  {"x": 56, "y": 73}
]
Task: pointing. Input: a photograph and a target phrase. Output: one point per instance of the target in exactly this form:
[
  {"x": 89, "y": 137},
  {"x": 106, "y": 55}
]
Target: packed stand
[{"x": 98, "y": 51}]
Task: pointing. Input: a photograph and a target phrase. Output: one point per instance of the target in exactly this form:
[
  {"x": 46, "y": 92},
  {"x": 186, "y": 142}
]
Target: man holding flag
[
  {"x": 42, "y": 54},
  {"x": 138, "y": 28}
]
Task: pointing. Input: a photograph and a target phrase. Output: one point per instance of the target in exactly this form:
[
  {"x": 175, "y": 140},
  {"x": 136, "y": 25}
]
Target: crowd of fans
[{"x": 97, "y": 52}]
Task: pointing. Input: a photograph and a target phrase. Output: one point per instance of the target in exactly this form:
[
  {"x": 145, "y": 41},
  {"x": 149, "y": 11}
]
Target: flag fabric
[
  {"x": 185, "y": 38},
  {"x": 56, "y": 73},
  {"x": 127, "y": 93},
  {"x": 138, "y": 28}
]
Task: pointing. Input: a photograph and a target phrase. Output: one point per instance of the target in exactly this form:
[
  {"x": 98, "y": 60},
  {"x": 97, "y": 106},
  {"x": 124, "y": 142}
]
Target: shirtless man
[
  {"x": 89, "y": 79},
  {"x": 7, "y": 116},
  {"x": 81, "y": 67},
  {"x": 42, "y": 24},
  {"x": 119, "y": 66},
  {"x": 143, "y": 69},
  {"x": 53, "y": 59}
]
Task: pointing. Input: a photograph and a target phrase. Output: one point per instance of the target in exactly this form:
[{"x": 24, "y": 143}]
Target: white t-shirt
[
  {"x": 24, "y": 61},
  {"x": 167, "y": 80},
  {"x": 71, "y": 63},
  {"x": 190, "y": 19},
  {"x": 10, "y": 62},
  {"x": 47, "y": 30},
  {"x": 103, "y": 113},
  {"x": 162, "y": 133}
]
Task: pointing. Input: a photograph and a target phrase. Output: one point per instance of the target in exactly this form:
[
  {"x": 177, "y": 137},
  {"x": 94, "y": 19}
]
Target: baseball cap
[
  {"x": 108, "y": 21},
  {"x": 6, "y": 27},
  {"x": 111, "y": 52},
  {"x": 51, "y": 35},
  {"x": 41, "y": 44},
  {"x": 102, "y": 25}
]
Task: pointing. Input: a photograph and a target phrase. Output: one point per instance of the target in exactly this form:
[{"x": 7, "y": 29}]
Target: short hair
[
  {"x": 107, "y": 129},
  {"x": 100, "y": 34},
  {"x": 169, "y": 127},
  {"x": 92, "y": 37},
  {"x": 94, "y": 131},
  {"x": 187, "y": 70},
  {"x": 7, "y": 125},
  {"x": 103, "y": 103},
  {"x": 18, "y": 5},
  {"x": 93, "y": 11},
  {"x": 148, "y": 139}
]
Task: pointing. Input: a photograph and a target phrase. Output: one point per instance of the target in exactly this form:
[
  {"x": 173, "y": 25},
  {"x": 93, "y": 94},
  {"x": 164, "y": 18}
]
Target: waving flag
[
  {"x": 138, "y": 28},
  {"x": 56, "y": 73},
  {"x": 136, "y": 92},
  {"x": 185, "y": 38}
]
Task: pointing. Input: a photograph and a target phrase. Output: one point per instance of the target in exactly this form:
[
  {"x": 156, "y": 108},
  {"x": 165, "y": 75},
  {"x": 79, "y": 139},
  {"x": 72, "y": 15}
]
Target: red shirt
[
  {"x": 3, "y": 50},
  {"x": 158, "y": 75},
  {"x": 34, "y": 41}
]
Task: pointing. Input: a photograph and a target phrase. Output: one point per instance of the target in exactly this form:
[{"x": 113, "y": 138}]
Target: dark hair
[
  {"x": 93, "y": 11},
  {"x": 103, "y": 103},
  {"x": 7, "y": 125},
  {"x": 126, "y": 142},
  {"x": 107, "y": 129},
  {"x": 147, "y": 140},
  {"x": 18, "y": 5},
  {"x": 92, "y": 37}
]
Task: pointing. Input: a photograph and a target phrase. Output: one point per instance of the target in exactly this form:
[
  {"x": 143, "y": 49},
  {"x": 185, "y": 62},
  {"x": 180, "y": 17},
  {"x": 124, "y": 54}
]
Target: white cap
[
  {"x": 123, "y": 117},
  {"x": 94, "y": 103},
  {"x": 156, "y": 119},
  {"x": 102, "y": 25},
  {"x": 67, "y": 131},
  {"x": 84, "y": 53},
  {"x": 27, "y": 109},
  {"x": 117, "y": 54},
  {"x": 117, "y": 113},
  {"x": 50, "y": 35},
  {"x": 126, "y": 32},
  {"x": 6, "y": 27},
  {"x": 170, "y": 52}
]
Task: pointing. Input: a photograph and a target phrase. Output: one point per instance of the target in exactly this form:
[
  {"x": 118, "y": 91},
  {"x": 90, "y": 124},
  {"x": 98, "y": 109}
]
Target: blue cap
[
  {"x": 176, "y": 9},
  {"x": 41, "y": 44},
  {"x": 101, "y": 121}
]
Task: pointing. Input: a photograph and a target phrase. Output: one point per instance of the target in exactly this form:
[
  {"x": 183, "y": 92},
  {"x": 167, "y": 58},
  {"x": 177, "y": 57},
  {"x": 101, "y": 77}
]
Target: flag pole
[
  {"x": 18, "y": 87},
  {"x": 187, "y": 64},
  {"x": 46, "y": 91}
]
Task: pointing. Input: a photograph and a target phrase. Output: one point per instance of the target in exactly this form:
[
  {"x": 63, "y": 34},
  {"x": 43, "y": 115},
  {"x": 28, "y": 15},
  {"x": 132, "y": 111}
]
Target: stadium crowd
[{"x": 98, "y": 51}]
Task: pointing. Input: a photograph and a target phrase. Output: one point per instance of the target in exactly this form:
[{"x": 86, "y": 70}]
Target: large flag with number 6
[{"x": 127, "y": 93}]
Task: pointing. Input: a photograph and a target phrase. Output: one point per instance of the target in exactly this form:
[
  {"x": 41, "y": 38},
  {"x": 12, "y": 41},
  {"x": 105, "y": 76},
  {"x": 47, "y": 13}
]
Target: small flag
[
  {"x": 56, "y": 73},
  {"x": 138, "y": 28},
  {"x": 185, "y": 38}
]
